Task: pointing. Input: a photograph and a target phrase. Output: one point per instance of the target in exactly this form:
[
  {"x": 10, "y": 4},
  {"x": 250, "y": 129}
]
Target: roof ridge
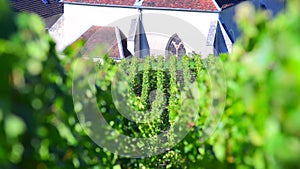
[{"x": 198, "y": 5}]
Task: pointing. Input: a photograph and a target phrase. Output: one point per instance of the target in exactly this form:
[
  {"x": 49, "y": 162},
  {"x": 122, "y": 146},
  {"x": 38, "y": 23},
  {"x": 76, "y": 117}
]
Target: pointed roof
[
  {"x": 110, "y": 38},
  {"x": 138, "y": 37}
]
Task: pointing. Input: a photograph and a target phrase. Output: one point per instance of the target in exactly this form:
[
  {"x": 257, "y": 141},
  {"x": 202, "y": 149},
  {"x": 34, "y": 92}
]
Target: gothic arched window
[{"x": 175, "y": 47}]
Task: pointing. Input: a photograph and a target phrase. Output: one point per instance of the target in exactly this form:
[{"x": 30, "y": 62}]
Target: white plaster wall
[
  {"x": 78, "y": 18},
  {"x": 191, "y": 27},
  {"x": 56, "y": 32}
]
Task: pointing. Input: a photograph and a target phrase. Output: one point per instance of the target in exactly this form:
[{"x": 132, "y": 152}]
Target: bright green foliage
[
  {"x": 160, "y": 73},
  {"x": 198, "y": 66},
  {"x": 173, "y": 100},
  {"x": 132, "y": 75},
  {"x": 186, "y": 71},
  {"x": 146, "y": 82},
  {"x": 259, "y": 128},
  {"x": 159, "y": 104},
  {"x": 38, "y": 125}
]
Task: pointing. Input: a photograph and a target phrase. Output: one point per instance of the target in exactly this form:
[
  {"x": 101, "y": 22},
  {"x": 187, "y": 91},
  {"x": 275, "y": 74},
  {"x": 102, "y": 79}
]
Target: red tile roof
[
  {"x": 101, "y": 36},
  {"x": 105, "y": 2},
  {"x": 203, "y": 5},
  {"x": 105, "y": 37}
]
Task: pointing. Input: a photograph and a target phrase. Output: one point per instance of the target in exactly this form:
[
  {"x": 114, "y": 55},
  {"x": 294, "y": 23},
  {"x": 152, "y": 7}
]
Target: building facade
[{"x": 149, "y": 25}]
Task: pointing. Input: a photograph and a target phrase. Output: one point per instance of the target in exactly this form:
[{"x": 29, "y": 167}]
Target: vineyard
[
  {"x": 155, "y": 95},
  {"x": 142, "y": 98},
  {"x": 233, "y": 111}
]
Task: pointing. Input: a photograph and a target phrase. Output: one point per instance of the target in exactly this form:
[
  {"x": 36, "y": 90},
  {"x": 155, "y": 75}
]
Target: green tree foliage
[{"x": 259, "y": 128}]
